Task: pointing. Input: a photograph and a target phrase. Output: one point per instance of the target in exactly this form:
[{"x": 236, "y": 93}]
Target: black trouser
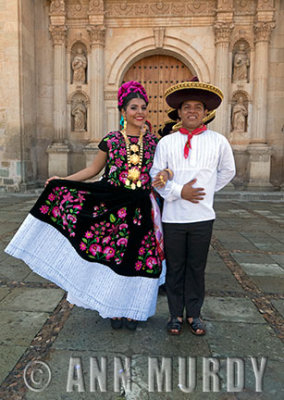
[{"x": 186, "y": 248}]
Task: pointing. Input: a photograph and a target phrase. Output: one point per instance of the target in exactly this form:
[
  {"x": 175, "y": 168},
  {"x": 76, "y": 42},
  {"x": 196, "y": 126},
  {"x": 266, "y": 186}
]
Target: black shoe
[
  {"x": 131, "y": 325},
  {"x": 116, "y": 323}
]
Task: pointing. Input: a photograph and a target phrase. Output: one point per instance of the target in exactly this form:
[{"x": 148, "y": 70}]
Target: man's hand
[{"x": 194, "y": 195}]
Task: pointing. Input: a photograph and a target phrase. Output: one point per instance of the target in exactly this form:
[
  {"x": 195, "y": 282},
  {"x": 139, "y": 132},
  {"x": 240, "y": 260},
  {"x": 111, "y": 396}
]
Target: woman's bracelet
[{"x": 170, "y": 173}]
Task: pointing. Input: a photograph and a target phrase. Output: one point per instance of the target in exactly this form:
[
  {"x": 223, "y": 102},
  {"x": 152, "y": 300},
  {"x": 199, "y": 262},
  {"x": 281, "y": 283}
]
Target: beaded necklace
[{"x": 134, "y": 161}]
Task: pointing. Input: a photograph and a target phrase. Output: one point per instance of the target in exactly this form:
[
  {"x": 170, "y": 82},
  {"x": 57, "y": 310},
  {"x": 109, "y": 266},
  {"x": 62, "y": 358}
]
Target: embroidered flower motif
[
  {"x": 62, "y": 206},
  {"x": 117, "y": 169},
  {"x": 151, "y": 261},
  {"x": 122, "y": 213},
  {"x": 122, "y": 242},
  {"x": 89, "y": 234},
  {"x": 148, "y": 254},
  {"x": 44, "y": 209},
  {"x": 109, "y": 252},
  {"x": 95, "y": 248},
  {"x": 107, "y": 240},
  {"x": 83, "y": 246},
  {"x": 138, "y": 265}
]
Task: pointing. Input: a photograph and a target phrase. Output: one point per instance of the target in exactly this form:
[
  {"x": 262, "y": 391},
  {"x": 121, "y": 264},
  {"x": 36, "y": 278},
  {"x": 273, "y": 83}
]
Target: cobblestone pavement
[{"x": 240, "y": 357}]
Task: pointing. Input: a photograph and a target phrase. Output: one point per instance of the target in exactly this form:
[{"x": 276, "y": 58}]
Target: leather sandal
[
  {"x": 116, "y": 323},
  {"x": 195, "y": 325},
  {"x": 174, "y": 326},
  {"x": 131, "y": 324}
]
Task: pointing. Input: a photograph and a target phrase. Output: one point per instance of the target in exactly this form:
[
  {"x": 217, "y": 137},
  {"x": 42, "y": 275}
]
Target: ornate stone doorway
[{"x": 157, "y": 73}]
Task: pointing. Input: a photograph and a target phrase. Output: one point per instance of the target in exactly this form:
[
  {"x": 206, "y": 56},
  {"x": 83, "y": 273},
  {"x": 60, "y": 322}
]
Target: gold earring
[{"x": 124, "y": 125}]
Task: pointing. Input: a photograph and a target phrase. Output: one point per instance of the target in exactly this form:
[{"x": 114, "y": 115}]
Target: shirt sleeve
[
  {"x": 172, "y": 190},
  {"x": 226, "y": 166},
  {"x": 103, "y": 144}
]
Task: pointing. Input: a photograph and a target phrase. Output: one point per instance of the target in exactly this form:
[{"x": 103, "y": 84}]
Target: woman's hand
[
  {"x": 160, "y": 179},
  {"x": 51, "y": 179}
]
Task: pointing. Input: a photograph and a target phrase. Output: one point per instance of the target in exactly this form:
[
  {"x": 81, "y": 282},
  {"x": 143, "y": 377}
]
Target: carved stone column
[
  {"x": 58, "y": 150},
  {"x": 97, "y": 36},
  {"x": 222, "y": 74},
  {"x": 97, "y": 106},
  {"x": 260, "y": 152}
]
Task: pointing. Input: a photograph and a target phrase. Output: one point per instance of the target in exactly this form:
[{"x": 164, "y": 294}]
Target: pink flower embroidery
[
  {"x": 123, "y": 226},
  {"x": 122, "y": 242},
  {"x": 118, "y": 162},
  {"x": 106, "y": 239},
  {"x": 109, "y": 252},
  {"x": 44, "y": 209},
  {"x": 51, "y": 197},
  {"x": 89, "y": 235},
  {"x": 138, "y": 265},
  {"x": 122, "y": 213},
  {"x": 72, "y": 218},
  {"x": 83, "y": 246},
  {"x": 150, "y": 262},
  {"x": 123, "y": 176},
  {"x": 56, "y": 212},
  {"x": 144, "y": 178},
  {"x": 122, "y": 152},
  {"x": 141, "y": 251},
  {"x": 95, "y": 248}
]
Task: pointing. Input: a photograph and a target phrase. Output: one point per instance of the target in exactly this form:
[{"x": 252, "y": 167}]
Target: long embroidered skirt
[{"x": 100, "y": 243}]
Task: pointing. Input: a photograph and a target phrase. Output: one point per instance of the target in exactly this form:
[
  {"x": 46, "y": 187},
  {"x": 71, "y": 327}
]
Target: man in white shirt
[{"x": 199, "y": 162}]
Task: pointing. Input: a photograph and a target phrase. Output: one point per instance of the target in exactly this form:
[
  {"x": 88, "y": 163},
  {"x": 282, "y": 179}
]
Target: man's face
[{"x": 191, "y": 114}]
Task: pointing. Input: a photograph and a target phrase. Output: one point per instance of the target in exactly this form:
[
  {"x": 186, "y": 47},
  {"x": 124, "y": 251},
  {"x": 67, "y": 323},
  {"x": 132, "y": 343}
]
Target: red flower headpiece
[{"x": 130, "y": 87}]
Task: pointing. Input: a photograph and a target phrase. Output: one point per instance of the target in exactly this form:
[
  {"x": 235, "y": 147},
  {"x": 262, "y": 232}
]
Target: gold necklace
[{"x": 134, "y": 161}]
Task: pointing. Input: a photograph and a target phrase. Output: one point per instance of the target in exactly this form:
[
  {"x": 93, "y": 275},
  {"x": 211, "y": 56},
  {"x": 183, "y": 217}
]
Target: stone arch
[{"x": 141, "y": 48}]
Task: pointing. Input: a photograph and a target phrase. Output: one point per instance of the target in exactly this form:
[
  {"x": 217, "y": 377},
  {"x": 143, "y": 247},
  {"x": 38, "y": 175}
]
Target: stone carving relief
[
  {"x": 79, "y": 64},
  {"x": 79, "y": 112},
  {"x": 152, "y": 8},
  {"x": 244, "y": 7},
  {"x": 223, "y": 31},
  {"x": 265, "y": 4},
  {"x": 77, "y": 8},
  {"x": 241, "y": 62},
  {"x": 263, "y": 31},
  {"x": 239, "y": 114},
  {"x": 96, "y": 7},
  {"x": 57, "y": 7}
]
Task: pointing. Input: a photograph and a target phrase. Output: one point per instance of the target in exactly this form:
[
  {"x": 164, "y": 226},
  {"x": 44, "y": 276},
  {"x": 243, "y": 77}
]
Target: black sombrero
[
  {"x": 209, "y": 118},
  {"x": 211, "y": 96},
  {"x": 173, "y": 114}
]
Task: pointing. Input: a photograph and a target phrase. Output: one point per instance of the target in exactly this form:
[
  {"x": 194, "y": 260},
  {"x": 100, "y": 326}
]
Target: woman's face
[{"x": 136, "y": 113}]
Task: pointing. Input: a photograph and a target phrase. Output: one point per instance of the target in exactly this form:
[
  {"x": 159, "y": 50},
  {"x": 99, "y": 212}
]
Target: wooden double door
[{"x": 157, "y": 73}]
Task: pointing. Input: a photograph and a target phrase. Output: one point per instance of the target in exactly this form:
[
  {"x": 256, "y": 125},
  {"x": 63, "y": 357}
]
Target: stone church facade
[{"x": 62, "y": 62}]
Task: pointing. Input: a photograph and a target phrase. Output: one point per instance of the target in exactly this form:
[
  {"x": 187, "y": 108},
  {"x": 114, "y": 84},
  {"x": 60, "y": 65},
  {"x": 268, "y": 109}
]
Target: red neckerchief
[{"x": 196, "y": 131}]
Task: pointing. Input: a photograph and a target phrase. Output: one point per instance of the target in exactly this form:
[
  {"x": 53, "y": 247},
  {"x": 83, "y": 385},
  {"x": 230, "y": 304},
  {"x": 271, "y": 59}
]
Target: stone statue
[
  {"x": 241, "y": 64},
  {"x": 239, "y": 115},
  {"x": 79, "y": 114},
  {"x": 79, "y": 65}
]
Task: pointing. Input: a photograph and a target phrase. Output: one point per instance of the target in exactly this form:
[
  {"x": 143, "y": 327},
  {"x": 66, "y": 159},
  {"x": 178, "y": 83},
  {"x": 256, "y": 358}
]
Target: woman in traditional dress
[{"x": 102, "y": 241}]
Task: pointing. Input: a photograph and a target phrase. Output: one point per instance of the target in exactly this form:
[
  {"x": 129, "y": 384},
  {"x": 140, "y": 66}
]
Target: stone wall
[{"x": 51, "y": 121}]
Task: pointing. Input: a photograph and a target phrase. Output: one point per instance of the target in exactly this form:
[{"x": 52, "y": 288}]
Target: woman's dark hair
[{"x": 132, "y": 95}]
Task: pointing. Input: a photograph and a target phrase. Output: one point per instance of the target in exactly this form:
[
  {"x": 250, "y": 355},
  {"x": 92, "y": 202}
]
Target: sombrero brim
[
  {"x": 209, "y": 118},
  {"x": 208, "y": 94},
  {"x": 166, "y": 128},
  {"x": 173, "y": 114}
]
